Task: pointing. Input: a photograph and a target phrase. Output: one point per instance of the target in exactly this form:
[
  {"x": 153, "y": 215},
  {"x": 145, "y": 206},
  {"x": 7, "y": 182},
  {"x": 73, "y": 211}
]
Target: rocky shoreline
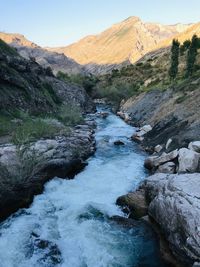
[
  {"x": 62, "y": 156},
  {"x": 169, "y": 198}
]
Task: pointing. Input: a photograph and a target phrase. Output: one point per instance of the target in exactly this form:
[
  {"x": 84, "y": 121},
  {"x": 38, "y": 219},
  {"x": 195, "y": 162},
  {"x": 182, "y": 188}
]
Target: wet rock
[
  {"x": 195, "y": 146},
  {"x": 103, "y": 115},
  {"x": 124, "y": 116},
  {"x": 119, "y": 143},
  {"x": 51, "y": 252},
  {"x": 135, "y": 202},
  {"x": 174, "y": 204},
  {"x": 125, "y": 222},
  {"x": 188, "y": 160}
]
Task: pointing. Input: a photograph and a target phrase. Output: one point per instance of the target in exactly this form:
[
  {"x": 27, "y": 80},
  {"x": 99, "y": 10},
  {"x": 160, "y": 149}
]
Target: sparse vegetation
[
  {"x": 70, "y": 115},
  {"x": 86, "y": 81}
]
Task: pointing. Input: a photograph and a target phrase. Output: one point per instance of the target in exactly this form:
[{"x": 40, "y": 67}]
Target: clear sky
[{"x": 60, "y": 22}]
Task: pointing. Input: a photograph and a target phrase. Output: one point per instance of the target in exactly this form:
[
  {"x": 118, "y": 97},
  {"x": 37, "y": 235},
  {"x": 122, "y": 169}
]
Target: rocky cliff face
[
  {"x": 26, "y": 85},
  {"x": 127, "y": 40},
  {"x": 173, "y": 115},
  {"x": 28, "y": 49}
]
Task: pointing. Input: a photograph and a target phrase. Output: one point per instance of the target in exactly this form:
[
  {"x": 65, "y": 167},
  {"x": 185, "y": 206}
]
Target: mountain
[
  {"x": 28, "y": 49},
  {"x": 182, "y": 36},
  {"x": 128, "y": 40}
]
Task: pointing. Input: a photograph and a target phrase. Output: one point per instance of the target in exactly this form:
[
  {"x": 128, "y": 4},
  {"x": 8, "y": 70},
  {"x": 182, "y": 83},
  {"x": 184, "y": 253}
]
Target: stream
[{"x": 69, "y": 224}]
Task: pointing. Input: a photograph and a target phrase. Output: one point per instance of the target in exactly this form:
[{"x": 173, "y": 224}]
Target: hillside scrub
[
  {"x": 149, "y": 73},
  {"x": 24, "y": 128},
  {"x": 86, "y": 81}
]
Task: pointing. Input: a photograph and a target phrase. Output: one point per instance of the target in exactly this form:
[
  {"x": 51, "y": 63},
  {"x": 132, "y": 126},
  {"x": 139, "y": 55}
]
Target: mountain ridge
[{"x": 127, "y": 40}]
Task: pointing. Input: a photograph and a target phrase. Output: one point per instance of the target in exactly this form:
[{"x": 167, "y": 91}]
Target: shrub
[
  {"x": 70, "y": 115},
  {"x": 33, "y": 129}
]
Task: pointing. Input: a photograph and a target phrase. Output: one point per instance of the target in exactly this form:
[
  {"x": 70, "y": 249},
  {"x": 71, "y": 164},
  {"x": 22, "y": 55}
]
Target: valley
[{"x": 100, "y": 148}]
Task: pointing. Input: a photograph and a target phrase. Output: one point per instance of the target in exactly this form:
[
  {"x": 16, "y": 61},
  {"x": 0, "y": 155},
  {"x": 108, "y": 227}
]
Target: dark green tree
[
  {"x": 174, "y": 59},
  {"x": 185, "y": 46},
  {"x": 191, "y": 56}
]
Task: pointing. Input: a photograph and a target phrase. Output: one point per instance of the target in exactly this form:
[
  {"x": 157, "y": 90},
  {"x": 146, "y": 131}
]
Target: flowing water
[{"x": 69, "y": 226}]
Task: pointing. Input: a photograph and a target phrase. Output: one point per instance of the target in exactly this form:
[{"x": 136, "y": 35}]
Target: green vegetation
[
  {"x": 174, "y": 59},
  {"x": 160, "y": 70},
  {"x": 86, "y": 81},
  {"x": 24, "y": 128},
  {"x": 70, "y": 115},
  {"x": 184, "y": 47},
  {"x": 191, "y": 56},
  {"x": 33, "y": 129}
]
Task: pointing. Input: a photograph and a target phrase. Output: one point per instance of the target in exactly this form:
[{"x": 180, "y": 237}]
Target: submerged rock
[{"x": 119, "y": 143}]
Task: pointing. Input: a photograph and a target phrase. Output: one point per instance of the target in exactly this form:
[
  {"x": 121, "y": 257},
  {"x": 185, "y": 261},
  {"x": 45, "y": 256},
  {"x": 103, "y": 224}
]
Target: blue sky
[{"x": 60, "y": 22}]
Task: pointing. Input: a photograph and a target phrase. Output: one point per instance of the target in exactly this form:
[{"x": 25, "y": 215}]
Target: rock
[
  {"x": 149, "y": 162},
  {"x": 146, "y": 128},
  {"x": 125, "y": 222},
  {"x": 168, "y": 167},
  {"x": 155, "y": 161},
  {"x": 174, "y": 204},
  {"x": 119, "y": 143},
  {"x": 23, "y": 177},
  {"x": 169, "y": 141},
  {"x": 195, "y": 146},
  {"x": 196, "y": 264},
  {"x": 188, "y": 160},
  {"x": 104, "y": 115},
  {"x": 136, "y": 138},
  {"x": 124, "y": 116},
  {"x": 135, "y": 202},
  {"x": 158, "y": 148}
]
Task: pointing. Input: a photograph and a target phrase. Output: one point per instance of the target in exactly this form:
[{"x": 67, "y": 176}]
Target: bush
[
  {"x": 33, "y": 129},
  {"x": 70, "y": 115}
]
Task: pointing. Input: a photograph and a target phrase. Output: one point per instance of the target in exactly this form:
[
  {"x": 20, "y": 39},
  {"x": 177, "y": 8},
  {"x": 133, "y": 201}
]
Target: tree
[
  {"x": 174, "y": 59},
  {"x": 191, "y": 56},
  {"x": 185, "y": 46}
]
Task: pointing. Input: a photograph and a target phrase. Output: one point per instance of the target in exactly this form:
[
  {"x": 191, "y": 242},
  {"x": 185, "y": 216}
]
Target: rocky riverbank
[
  {"x": 169, "y": 197},
  {"x": 25, "y": 169}
]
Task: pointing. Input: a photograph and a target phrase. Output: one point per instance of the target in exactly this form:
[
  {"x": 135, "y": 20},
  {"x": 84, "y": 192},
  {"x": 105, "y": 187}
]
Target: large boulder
[
  {"x": 188, "y": 160},
  {"x": 135, "y": 202},
  {"x": 174, "y": 205}
]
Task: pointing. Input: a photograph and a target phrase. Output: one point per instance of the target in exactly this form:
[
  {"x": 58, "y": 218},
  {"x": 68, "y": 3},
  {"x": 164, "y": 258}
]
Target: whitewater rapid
[{"x": 69, "y": 226}]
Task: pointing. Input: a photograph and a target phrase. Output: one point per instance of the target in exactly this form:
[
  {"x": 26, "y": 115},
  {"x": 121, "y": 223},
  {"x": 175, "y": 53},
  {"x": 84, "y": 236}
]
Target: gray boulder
[
  {"x": 188, "y": 160},
  {"x": 175, "y": 206}
]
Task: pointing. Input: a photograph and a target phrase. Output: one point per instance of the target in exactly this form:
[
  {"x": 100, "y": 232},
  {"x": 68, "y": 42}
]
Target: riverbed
[{"x": 69, "y": 224}]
